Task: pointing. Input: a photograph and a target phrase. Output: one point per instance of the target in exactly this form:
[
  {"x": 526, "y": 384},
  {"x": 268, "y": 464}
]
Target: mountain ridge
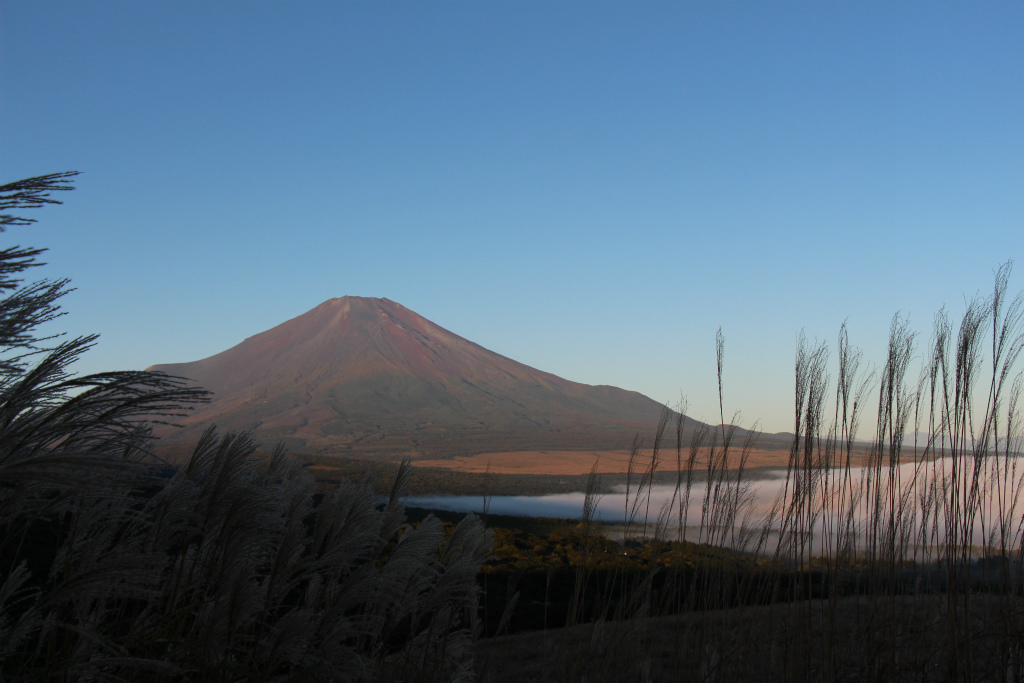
[{"x": 368, "y": 375}]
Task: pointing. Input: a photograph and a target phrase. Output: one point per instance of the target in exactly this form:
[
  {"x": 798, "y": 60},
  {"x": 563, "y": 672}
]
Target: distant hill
[{"x": 367, "y": 376}]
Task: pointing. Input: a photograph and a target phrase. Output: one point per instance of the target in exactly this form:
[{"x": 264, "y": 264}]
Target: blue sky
[{"x": 591, "y": 188}]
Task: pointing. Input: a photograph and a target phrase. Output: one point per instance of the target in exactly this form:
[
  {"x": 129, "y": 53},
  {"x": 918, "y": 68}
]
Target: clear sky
[{"x": 591, "y": 188}]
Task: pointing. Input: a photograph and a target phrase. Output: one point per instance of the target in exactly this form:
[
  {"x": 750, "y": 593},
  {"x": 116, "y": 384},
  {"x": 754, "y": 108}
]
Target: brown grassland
[{"x": 580, "y": 463}]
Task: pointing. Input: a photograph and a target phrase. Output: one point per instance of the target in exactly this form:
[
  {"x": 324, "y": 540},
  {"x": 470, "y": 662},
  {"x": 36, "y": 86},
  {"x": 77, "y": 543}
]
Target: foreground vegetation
[
  {"x": 225, "y": 568},
  {"x": 230, "y": 566},
  {"x": 909, "y": 568}
]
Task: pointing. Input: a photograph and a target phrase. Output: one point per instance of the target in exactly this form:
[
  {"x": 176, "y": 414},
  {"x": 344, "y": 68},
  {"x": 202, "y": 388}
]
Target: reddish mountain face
[{"x": 368, "y": 376}]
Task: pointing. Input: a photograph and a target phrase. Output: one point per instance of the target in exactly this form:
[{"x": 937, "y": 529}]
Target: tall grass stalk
[
  {"x": 894, "y": 558},
  {"x": 228, "y": 568}
]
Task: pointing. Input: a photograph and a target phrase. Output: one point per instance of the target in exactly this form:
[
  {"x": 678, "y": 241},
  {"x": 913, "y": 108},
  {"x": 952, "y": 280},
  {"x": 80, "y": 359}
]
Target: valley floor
[{"x": 578, "y": 463}]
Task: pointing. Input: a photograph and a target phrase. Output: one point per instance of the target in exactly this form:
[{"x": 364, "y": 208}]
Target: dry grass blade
[{"x": 227, "y": 568}]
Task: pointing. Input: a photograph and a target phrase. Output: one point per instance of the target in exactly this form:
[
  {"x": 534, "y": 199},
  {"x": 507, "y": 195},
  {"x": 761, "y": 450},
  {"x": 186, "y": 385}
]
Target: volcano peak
[{"x": 367, "y": 374}]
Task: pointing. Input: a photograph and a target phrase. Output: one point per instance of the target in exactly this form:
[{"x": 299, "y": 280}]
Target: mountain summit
[{"x": 368, "y": 375}]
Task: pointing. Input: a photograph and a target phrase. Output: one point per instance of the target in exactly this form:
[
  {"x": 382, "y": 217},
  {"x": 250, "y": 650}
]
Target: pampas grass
[
  {"x": 895, "y": 558},
  {"x": 226, "y": 568}
]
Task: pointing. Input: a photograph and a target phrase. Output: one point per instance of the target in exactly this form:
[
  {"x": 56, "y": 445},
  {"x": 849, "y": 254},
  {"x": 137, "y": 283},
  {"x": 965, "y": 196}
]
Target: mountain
[{"x": 368, "y": 376}]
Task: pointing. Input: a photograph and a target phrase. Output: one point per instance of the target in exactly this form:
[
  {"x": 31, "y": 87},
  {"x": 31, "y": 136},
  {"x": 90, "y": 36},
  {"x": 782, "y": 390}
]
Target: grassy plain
[{"x": 580, "y": 463}]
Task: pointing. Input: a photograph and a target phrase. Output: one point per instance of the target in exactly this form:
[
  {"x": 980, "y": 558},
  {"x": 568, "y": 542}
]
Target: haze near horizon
[{"x": 592, "y": 190}]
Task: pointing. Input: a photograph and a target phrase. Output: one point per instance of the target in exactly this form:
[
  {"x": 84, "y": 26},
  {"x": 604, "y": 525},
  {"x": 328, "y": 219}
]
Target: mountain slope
[{"x": 368, "y": 375}]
